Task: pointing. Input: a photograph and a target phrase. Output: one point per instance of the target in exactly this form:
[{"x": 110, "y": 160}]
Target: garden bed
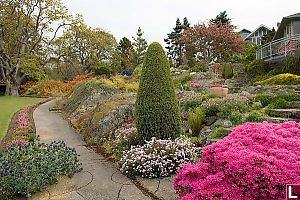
[{"x": 6, "y": 141}]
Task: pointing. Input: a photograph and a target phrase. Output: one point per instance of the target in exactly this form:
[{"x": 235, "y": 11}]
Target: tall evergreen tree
[
  {"x": 126, "y": 52},
  {"x": 140, "y": 46},
  {"x": 175, "y": 46},
  {"x": 156, "y": 109},
  {"x": 221, "y": 19}
]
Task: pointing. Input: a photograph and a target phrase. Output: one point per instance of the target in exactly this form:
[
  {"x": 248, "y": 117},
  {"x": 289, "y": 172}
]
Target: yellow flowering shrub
[{"x": 281, "y": 79}]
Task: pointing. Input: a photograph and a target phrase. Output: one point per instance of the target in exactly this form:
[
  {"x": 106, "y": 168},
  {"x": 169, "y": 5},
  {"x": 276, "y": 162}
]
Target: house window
[
  {"x": 296, "y": 27},
  {"x": 258, "y": 41}
]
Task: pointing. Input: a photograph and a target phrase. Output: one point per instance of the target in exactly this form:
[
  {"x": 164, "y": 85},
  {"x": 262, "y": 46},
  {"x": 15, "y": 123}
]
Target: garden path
[{"x": 99, "y": 178}]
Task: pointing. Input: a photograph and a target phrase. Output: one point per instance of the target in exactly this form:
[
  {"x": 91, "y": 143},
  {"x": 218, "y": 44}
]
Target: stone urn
[{"x": 219, "y": 90}]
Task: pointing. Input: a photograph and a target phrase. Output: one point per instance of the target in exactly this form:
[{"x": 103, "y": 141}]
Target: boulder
[{"x": 225, "y": 123}]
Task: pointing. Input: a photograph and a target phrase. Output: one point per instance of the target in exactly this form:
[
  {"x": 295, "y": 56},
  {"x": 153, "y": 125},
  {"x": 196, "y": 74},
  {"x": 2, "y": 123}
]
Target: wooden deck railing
[{"x": 278, "y": 48}]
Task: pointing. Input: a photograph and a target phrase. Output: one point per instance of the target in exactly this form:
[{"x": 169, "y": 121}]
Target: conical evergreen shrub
[{"x": 157, "y": 113}]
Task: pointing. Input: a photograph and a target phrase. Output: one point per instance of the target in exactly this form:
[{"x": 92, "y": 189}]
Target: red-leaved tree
[{"x": 213, "y": 42}]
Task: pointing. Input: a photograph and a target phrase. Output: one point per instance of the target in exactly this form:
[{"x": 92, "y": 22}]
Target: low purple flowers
[{"x": 26, "y": 169}]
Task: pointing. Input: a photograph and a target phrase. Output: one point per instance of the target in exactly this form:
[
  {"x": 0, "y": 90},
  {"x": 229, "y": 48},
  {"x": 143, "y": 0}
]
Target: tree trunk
[
  {"x": 12, "y": 89},
  {"x": 7, "y": 88}
]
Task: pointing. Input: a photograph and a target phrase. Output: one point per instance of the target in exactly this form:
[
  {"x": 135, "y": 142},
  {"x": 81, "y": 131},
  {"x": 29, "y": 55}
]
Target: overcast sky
[{"x": 157, "y": 17}]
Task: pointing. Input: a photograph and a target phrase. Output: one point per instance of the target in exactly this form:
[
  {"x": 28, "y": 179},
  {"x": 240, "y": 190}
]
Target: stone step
[
  {"x": 234, "y": 89},
  {"x": 294, "y": 103},
  {"x": 278, "y": 119},
  {"x": 290, "y": 113}
]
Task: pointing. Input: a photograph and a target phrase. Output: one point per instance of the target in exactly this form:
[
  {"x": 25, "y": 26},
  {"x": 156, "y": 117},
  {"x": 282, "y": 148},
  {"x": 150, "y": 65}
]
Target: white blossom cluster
[
  {"x": 124, "y": 138},
  {"x": 158, "y": 158}
]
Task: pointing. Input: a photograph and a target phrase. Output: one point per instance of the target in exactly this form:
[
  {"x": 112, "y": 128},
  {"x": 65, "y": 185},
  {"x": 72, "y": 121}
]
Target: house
[
  {"x": 244, "y": 33},
  {"x": 286, "y": 41},
  {"x": 255, "y": 36}
]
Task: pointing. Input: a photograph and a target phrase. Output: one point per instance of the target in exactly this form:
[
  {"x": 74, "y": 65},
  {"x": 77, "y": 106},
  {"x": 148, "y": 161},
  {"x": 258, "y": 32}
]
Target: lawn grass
[{"x": 8, "y": 106}]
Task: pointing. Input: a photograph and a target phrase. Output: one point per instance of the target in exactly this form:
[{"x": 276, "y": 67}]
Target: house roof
[
  {"x": 260, "y": 26},
  {"x": 245, "y": 31},
  {"x": 284, "y": 22}
]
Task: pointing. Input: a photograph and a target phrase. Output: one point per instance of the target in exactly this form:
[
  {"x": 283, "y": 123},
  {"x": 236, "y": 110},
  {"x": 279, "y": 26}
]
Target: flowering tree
[{"x": 212, "y": 41}]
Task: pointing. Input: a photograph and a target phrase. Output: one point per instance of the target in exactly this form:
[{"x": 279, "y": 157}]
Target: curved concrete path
[{"x": 99, "y": 178}]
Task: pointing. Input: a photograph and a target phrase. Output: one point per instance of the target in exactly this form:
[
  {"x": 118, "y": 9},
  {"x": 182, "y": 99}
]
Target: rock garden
[{"x": 198, "y": 122}]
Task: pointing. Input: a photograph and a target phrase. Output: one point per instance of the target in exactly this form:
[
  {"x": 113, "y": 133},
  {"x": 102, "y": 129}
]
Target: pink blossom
[
  {"x": 195, "y": 85},
  {"x": 255, "y": 161}
]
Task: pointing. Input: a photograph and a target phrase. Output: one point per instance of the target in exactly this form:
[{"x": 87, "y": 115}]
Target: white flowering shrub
[
  {"x": 124, "y": 138},
  {"x": 158, "y": 158}
]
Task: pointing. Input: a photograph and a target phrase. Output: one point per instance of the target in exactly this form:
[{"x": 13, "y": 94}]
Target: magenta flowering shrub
[
  {"x": 255, "y": 161},
  {"x": 195, "y": 85},
  {"x": 158, "y": 158}
]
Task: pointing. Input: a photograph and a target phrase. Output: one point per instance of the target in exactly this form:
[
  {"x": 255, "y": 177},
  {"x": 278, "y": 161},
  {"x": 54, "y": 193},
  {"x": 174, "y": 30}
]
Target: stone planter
[{"x": 219, "y": 90}]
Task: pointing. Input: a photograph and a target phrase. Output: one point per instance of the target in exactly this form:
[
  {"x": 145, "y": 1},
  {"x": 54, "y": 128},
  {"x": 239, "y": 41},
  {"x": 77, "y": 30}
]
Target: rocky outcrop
[
  {"x": 106, "y": 116},
  {"x": 86, "y": 94}
]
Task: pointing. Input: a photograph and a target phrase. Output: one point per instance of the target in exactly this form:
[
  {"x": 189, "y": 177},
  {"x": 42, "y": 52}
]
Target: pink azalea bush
[
  {"x": 195, "y": 85},
  {"x": 255, "y": 161}
]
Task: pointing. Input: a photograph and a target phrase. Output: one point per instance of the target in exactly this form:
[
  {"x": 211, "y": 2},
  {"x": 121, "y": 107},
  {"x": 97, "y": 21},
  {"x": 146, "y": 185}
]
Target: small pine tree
[
  {"x": 221, "y": 19},
  {"x": 140, "y": 46},
  {"x": 174, "y": 46},
  {"x": 157, "y": 113}
]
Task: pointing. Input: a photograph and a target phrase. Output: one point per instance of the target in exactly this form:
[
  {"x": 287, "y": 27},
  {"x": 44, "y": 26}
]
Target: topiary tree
[
  {"x": 157, "y": 112},
  {"x": 227, "y": 70}
]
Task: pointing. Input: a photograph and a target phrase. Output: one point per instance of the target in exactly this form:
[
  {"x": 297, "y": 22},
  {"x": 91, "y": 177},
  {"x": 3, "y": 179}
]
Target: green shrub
[
  {"x": 254, "y": 117},
  {"x": 195, "y": 119},
  {"x": 292, "y": 65},
  {"x": 183, "y": 79},
  {"x": 211, "y": 96},
  {"x": 220, "y": 133},
  {"x": 192, "y": 104},
  {"x": 288, "y": 97},
  {"x": 264, "y": 99},
  {"x": 102, "y": 68},
  {"x": 279, "y": 103},
  {"x": 184, "y": 67},
  {"x": 270, "y": 74},
  {"x": 255, "y": 106},
  {"x": 227, "y": 70},
  {"x": 199, "y": 66},
  {"x": 235, "y": 73},
  {"x": 138, "y": 70},
  {"x": 255, "y": 68},
  {"x": 236, "y": 118},
  {"x": 281, "y": 79},
  {"x": 157, "y": 112}
]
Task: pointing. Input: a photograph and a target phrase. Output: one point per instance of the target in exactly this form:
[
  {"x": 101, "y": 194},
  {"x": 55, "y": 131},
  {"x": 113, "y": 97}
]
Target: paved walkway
[{"x": 99, "y": 179}]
